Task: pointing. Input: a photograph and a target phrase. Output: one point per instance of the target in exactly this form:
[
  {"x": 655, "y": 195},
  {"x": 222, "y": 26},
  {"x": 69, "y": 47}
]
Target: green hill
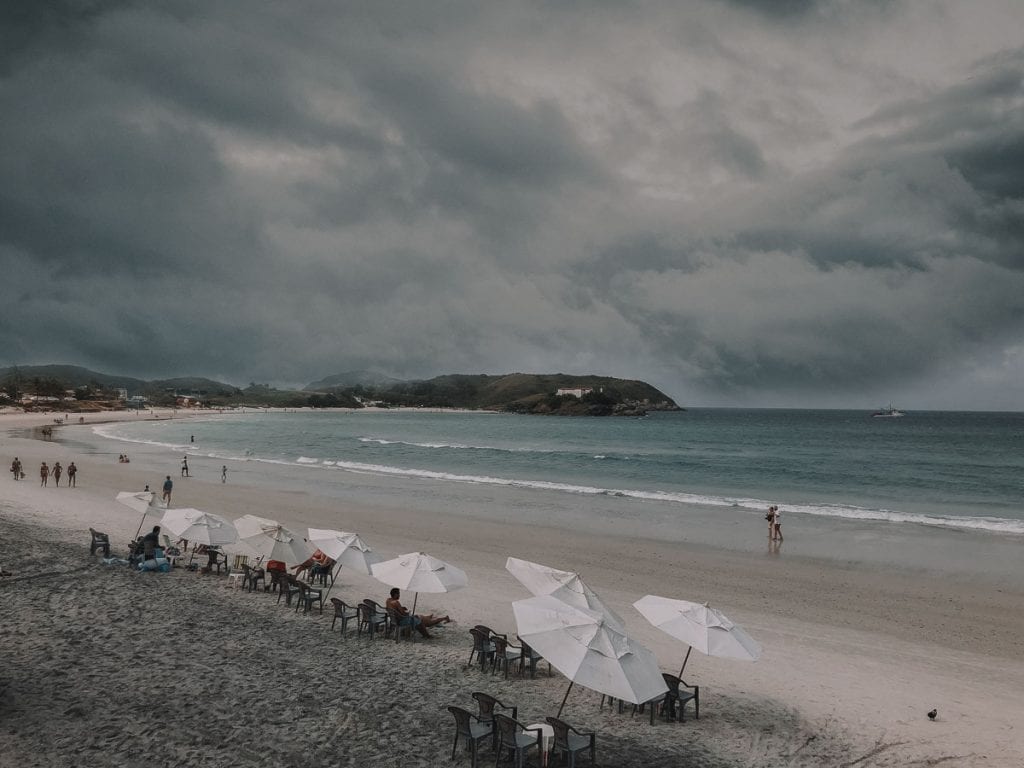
[{"x": 519, "y": 392}]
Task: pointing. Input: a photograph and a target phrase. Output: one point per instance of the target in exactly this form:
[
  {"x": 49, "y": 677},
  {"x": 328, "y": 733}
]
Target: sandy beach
[{"x": 106, "y": 666}]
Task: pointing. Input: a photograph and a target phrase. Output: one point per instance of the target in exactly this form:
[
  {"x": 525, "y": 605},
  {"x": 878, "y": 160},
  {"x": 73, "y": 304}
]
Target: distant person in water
[
  {"x": 58, "y": 470},
  {"x": 168, "y": 487},
  {"x": 72, "y": 474}
]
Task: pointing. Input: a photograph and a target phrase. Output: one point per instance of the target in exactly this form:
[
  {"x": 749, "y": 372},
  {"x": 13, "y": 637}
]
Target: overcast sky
[{"x": 774, "y": 203}]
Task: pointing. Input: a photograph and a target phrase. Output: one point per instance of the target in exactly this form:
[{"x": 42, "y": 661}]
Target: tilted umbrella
[
  {"x": 272, "y": 540},
  {"x": 199, "y": 527},
  {"x": 699, "y": 626},
  {"x": 419, "y": 572},
  {"x": 345, "y": 549},
  {"x": 141, "y": 502},
  {"x": 566, "y": 586},
  {"x": 589, "y": 648}
]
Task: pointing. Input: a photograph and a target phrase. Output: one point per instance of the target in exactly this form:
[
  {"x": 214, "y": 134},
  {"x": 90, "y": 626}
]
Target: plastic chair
[
  {"x": 402, "y": 626},
  {"x": 505, "y": 654},
  {"x": 483, "y": 648},
  {"x": 469, "y": 727},
  {"x": 250, "y": 577},
  {"x": 570, "y": 742},
  {"x": 287, "y": 588},
  {"x": 374, "y": 617},
  {"x": 531, "y": 657},
  {"x": 516, "y": 739},
  {"x": 344, "y": 612},
  {"x": 307, "y": 596},
  {"x": 487, "y": 705},
  {"x": 679, "y": 692},
  {"x": 99, "y": 541}
]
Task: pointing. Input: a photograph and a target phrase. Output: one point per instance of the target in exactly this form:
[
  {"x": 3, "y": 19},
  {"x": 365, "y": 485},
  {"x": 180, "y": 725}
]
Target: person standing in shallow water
[
  {"x": 224, "y": 473},
  {"x": 44, "y": 474},
  {"x": 72, "y": 472},
  {"x": 777, "y": 522},
  {"x": 770, "y": 517},
  {"x": 184, "y": 466},
  {"x": 57, "y": 471}
]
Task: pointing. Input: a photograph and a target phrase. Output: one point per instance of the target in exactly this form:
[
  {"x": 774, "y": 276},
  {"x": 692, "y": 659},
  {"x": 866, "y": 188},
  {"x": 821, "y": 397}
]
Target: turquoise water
[{"x": 957, "y": 471}]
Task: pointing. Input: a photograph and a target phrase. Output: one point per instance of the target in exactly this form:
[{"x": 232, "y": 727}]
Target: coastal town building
[{"x": 577, "y": 392}]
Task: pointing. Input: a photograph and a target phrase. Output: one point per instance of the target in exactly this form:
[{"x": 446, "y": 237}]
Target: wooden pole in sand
[
  {"x": 559, "y": 715},
  {"x": 688, "y": 652}
]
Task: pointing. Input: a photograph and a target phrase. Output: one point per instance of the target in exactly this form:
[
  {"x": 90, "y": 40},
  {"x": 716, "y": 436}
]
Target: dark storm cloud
[{"x": 744, "y": 202}]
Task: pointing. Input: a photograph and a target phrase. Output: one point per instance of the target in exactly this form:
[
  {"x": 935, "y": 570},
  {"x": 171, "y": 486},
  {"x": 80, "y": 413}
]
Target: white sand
[{"x": 102, "y": 666}]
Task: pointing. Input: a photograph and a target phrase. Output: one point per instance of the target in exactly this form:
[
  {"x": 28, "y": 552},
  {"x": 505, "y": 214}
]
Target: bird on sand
[{"x": 933, "y": 714}]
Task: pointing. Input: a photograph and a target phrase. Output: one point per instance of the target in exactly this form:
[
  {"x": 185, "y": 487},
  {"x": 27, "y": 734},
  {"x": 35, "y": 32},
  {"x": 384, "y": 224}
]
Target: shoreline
[{"x": 854, "y": 654}]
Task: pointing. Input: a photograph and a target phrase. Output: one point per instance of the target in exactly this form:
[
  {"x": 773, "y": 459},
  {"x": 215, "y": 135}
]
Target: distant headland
[{"x": 72, "y": 388}]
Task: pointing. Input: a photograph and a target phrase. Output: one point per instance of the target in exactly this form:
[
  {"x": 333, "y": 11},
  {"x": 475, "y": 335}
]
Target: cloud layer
[{"x": 750, "y": 203}]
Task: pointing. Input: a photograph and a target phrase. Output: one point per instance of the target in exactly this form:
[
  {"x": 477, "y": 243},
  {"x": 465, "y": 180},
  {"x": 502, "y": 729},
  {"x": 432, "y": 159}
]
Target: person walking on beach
[
  {"x": 16, "y": 468},
  {"x": 72, "y": 471},
  {"x": 770, "y": 517},
  {"x": 224, "y": 473},
  {"x": 168, "y": 485},
  {"x": 184, "y": 466},
  {"x": 44, "y": 474},
  {"x": 777, "y": 522},
  {"x": 57, "y": 470}
]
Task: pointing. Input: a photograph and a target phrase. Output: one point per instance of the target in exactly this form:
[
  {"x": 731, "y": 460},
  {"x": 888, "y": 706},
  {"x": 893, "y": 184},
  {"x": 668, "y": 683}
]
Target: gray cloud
[{"x": 746, "y": 203}]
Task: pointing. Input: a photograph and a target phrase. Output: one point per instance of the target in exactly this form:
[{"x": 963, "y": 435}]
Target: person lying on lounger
[
  {"x": 419, "y": 621},
  {"x": 318, "y": 562}
]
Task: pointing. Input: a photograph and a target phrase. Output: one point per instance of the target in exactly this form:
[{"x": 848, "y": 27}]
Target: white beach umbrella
[
  {"x": 419, "y": 572},
  {"x": 272, "y": 540},
  {"x": 699, "y": 626},
  {"x": 566, "y": 586},
  {"x": 344, "y": 548},
  {"x": 199, "y": 527},
  {"x": 589, "y": 648},
  {"x": 141, "y": 502}
]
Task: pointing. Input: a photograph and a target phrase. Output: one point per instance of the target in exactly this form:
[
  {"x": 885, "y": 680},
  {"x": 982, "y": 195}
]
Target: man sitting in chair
[{"x": 419, "y": 621}]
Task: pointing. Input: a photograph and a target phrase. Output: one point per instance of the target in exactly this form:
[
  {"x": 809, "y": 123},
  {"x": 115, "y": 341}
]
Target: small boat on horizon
[{"x": 887, "y": 413}]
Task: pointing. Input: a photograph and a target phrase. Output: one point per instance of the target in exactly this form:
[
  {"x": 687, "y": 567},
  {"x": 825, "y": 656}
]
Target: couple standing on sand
[{"x": 774, "y": 518}]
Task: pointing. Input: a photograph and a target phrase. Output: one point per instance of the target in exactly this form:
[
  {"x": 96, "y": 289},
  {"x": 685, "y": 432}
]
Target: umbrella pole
[
  {"x": 688, "y": 651},
  {"x": 416, "y": 596},
  {"x": 563, "y": 700},
  {"x": 331, "y": 585}
]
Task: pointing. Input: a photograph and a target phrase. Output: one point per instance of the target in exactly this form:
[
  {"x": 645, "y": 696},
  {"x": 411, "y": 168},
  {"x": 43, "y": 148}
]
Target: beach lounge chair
[
  {"x": 505, "y": 655},
  {"x": 516, "y": 740},
  {"x": 373, "y": 618},
  {"x": 483, "y": 648},
  {"x": 471, "y": 728},
  {"x": 678, "y": 694},
  {"x": 344, "y": 612},
  {"x": 99, "y": 541},
  {"x": 488, "y": 704},
  {"x": 570, "y": 742}
]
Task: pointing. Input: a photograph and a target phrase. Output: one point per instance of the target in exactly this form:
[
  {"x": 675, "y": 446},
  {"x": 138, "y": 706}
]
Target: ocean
[{"x": 954, "y": 471}]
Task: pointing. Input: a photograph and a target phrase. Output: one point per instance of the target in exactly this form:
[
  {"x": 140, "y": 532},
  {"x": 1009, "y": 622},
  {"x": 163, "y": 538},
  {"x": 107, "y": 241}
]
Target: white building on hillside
[{"x": 577, "y": 393}]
